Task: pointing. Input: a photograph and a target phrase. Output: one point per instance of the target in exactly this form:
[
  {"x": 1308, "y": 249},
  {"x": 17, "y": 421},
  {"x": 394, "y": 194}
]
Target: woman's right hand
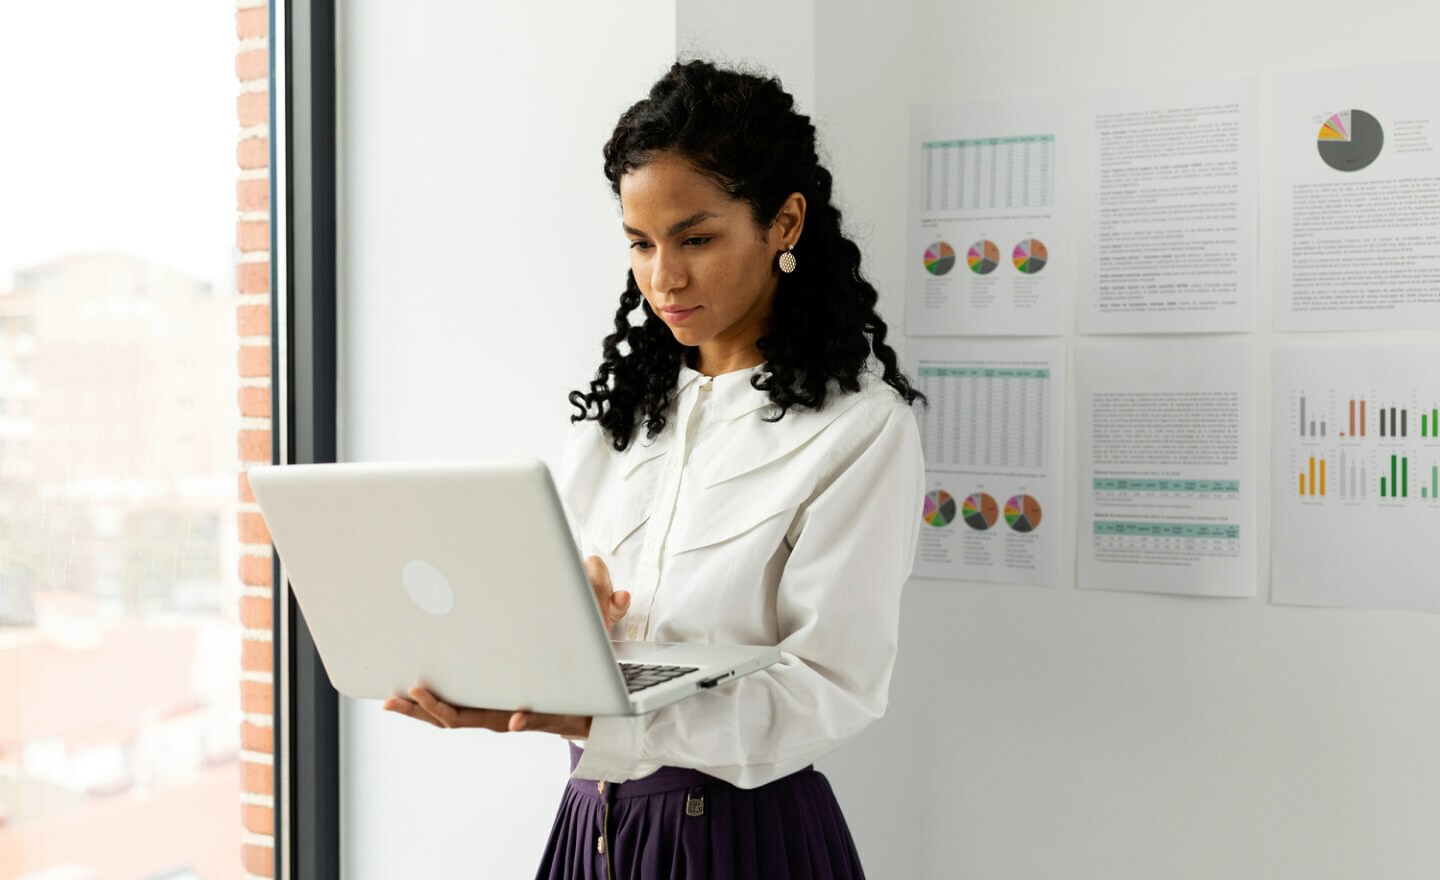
[
  {"x": 614, "y": 604},
  {"x": 425, "y": 706}
]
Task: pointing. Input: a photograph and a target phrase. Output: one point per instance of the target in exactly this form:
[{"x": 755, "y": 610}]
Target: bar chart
[
  {"x": 1348, "y": 476},
  {"x": 1398, "y": 485},
  {"x": 1307, "y": 420},
  {"x": 1357, "y": 427},
  {"x": 1398, "y": 423},
  {"x": 1430, "y": 423},
  {"x": 1355, "y": 477},
  {"x": 1392, "y": 420},
  {"x": 1316, "y": 482}
]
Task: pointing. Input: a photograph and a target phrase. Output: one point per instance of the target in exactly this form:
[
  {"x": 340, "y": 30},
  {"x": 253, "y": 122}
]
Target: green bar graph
[
  {"x": 1434, "y": 481},
  {"x": 1399, "y": 484}
]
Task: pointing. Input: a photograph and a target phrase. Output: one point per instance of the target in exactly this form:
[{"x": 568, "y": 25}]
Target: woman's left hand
[{"x": 425, "y": 706}]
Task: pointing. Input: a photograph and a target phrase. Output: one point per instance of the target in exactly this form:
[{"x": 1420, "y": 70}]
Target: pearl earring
[{"x": 787, "y": 260}]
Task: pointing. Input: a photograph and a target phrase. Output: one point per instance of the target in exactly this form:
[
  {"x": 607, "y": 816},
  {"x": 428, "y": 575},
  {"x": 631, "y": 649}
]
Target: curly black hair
[{"x": 742, "y": 131}]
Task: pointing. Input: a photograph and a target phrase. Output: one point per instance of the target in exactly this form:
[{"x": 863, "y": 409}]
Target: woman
[{"x": 746, "y": 465}]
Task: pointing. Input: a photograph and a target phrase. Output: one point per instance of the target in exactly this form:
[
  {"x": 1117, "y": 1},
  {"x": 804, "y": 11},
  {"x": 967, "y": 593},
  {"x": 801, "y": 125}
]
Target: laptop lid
[{"x": 462, "y": 577}]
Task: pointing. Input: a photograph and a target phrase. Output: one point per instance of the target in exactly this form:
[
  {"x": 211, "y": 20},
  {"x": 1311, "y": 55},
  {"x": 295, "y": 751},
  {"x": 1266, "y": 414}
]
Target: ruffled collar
[{"x": 732, "y": 394}]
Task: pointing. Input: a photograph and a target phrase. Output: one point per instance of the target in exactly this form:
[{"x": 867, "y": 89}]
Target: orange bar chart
[
  {"x": 1315, "y": 485},
  {"x": 1357, "y": 423}
]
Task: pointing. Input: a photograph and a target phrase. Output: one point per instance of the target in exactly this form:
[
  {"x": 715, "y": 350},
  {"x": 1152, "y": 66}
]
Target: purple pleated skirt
[{"x": 680, "y": 824}]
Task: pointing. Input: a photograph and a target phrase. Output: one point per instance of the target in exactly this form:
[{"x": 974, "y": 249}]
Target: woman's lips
[{"x": 675, "y": 314}]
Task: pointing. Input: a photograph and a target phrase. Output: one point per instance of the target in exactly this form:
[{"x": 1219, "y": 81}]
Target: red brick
[
  {"x": 254, "y": 402},
  {"x": 252, "y": 23},
  {"x": 257, "y": 697},
  {"x": 253, "y": 277},
  {"x": 252, "y": 108},
  {"x": 253, "y": 320},
  {"x": 254, "y": 361},
  {"x": 254, "y": 738},
  {"x": 253, "y": 153},
  {"x": 257, "y": 657},
  {"x": 253, "y": 529},
  {"x": 252, "y": 236},
  {"x": 256, "y": 778},
  {"x": 255, "y": 612},
  {"x": 254, "y": 64},
  {"x": 256, "y": 571},
  {"x": 259, "y": 860},
  {"x": 245, "y": 493},
  {"x": 253, "y": 195},
  {"x": 255, "y": 446},
  {"x": 258, "y": 820}
]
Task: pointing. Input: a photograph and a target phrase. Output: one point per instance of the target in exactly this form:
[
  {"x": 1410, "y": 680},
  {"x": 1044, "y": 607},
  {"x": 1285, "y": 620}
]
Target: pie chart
[
  {"x": 939, "y": 258},
  {"x": 1350, "y": 140},
  {"x": 1022, "y": 513},
  {"x": 1030, "y": 256},
  {"x": 984, "y": 256},
  {"x": 939, "y": 508},
  {"x": 980, "y": 511}
]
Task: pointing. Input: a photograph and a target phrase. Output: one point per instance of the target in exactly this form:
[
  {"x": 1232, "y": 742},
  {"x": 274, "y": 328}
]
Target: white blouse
[{"x": 727, "y": 528}]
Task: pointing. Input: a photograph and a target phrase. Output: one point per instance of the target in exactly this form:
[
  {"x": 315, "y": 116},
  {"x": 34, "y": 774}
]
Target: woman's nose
[{"x": 667, "y": 272}]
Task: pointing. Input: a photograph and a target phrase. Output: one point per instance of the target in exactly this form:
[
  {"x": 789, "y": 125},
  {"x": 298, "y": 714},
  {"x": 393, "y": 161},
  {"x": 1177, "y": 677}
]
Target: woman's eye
[
  {"x": 639, "y": 245},
  {"x": 697, "y": 240}
]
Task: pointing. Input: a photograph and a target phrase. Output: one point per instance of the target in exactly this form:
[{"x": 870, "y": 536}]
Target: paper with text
[{"x": 1167, "y": 491}]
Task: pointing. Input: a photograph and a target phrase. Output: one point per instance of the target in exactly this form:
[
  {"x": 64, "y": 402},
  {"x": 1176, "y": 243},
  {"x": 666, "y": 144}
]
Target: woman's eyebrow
[{"x": 676, "y": 228}]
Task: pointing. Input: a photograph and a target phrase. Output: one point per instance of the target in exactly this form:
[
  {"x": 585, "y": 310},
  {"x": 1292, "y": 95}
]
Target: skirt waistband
[{"x": 662, "y": 780}]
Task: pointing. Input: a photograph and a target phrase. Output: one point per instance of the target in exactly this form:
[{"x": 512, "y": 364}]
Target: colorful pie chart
[
  {"x": 984, "y": 256},
  {"x": 980, "y": 511},
  {"x": 939, "y": 258},
  {"x": 1022, "y": 513},
  {"x": 1350, "y": 140},
  {"x": 1030, "y": 256},
  {"x": 939, "y": 508}
]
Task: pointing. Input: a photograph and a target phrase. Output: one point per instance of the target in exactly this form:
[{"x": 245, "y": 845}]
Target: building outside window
[{"x": 134, "y": 350}]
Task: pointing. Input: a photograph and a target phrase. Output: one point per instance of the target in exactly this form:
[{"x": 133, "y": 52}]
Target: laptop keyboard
[{"x": 639, "y": 676}]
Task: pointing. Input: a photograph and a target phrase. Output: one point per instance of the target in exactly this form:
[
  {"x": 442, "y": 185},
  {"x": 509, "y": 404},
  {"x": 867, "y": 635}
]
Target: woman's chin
[{"x": 687, "y": 337}]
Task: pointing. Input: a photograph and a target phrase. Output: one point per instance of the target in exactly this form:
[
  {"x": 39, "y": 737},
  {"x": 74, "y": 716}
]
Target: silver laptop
[{"x": 464, "y": 578}]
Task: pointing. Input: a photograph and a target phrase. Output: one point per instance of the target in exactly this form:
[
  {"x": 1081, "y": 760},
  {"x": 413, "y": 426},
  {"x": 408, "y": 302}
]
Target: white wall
[
  {"x": 773, "y": 38},
  {"x": 1094, "y": 735},
  {"x": 481, "y": 261}
]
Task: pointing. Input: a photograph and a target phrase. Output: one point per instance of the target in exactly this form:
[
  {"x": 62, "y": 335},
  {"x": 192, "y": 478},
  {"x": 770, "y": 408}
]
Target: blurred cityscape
[{"x": 119, "y": 638}]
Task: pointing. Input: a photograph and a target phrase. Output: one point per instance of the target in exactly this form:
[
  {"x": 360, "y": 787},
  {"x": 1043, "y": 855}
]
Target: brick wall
[{"x": 252, "y": 324}]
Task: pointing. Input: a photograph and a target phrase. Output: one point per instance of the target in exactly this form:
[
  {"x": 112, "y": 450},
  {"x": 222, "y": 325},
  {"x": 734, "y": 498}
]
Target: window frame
[{"x": 304, "y": 412}]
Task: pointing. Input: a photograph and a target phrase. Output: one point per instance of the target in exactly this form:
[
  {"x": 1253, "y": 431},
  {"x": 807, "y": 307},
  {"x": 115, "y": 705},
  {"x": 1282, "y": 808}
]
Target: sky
[{"x": 118, "y": 132}]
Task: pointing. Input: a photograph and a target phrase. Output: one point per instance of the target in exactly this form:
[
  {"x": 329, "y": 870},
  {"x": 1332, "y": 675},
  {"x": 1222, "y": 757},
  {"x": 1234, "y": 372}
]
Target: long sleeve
[{"x": 834, "y": 581}]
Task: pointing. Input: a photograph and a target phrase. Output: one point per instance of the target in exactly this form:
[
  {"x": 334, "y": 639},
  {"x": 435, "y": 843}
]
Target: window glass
[{"x": 120, "y": 642}]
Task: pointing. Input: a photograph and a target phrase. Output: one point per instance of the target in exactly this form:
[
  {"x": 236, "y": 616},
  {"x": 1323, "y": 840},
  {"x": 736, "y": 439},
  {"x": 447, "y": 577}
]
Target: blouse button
[{"x": 633, "y": 631}]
